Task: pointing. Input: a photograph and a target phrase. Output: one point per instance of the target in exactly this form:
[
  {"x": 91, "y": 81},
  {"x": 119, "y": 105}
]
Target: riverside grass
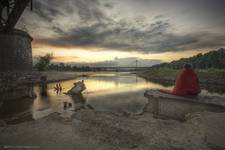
[{"x": 211, "y": 75}]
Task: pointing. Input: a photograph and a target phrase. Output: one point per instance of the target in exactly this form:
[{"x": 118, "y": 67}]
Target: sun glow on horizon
[{"x": 93, "y": 55}]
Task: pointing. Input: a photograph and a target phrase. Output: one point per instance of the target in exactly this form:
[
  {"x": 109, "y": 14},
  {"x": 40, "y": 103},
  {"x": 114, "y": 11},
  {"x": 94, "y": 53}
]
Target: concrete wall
[
  {"x": 17, "y": 85},
  {"x": 15, "y": 51}
]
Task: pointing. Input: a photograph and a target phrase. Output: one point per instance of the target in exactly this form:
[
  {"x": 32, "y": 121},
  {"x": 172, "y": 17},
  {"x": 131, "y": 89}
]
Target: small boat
[{"x": 78, "y": 88}]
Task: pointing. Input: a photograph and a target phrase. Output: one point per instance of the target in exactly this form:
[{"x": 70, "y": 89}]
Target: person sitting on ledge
[{"x": 187, "y": 83}]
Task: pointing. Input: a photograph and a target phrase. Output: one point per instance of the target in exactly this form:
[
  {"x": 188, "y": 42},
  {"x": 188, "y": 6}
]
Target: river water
[
  {"x": 120, "y": 93},
  {"x": 114, "y": 92}
]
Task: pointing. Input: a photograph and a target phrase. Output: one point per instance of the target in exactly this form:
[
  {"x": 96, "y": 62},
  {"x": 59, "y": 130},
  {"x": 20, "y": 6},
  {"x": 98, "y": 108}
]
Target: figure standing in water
[
  {"x": 58, "y": 88},
  {"x": 43, "y": 85},
  {"x": 187, "y": 83}
]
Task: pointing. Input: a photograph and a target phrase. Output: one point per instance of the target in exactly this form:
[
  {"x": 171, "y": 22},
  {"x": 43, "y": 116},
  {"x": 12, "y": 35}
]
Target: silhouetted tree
[{"x": 43, "y": 63}]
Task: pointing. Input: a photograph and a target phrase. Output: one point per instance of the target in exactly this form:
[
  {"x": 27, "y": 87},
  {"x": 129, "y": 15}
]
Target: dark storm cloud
[
  {"x": 121, "y": 36},
  {"x": 89, "y": 10},
  {"x": 154, "y": 38},
  {"x": 208, "y": 9},
  {"x": 108, "y": 5},
  {"x": 46, "y": 11},
  {"x": 159, "y": 16},
  {"x": 96, "y": 29}
]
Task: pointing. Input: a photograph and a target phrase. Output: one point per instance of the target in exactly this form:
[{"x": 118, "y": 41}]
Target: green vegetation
[
  {"x": 68, "y": 67},
  {"x": 159, "y": 72},
  {"x": 213, "y": 59},
  {"x": 210, "y": 68},
  {"x": 212, "y": 73},
  {"x": 211, "y": 76},
  {"x": 43, "y": 63}
]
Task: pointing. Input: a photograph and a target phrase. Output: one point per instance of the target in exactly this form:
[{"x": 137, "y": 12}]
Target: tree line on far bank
[
  {"x": 44, "y": 64},
  {"x": 213, "y": 59},
  {"x": 68, "y": 67}
]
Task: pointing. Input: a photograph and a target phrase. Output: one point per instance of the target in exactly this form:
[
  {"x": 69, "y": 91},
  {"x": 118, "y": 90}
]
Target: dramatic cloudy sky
[{"x": 102, "y": 30}]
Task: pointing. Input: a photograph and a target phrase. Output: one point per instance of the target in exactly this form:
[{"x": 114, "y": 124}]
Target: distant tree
[
  {"x": 43, "y": 62},
  {"x": 213, "y": 59}
]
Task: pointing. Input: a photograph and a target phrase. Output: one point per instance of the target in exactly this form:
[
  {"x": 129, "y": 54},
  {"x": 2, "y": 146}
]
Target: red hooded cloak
[{"x": 187, "y": 83}]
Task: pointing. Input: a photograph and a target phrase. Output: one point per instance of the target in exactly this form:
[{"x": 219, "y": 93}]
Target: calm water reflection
[{"x": 115, "y": 92}]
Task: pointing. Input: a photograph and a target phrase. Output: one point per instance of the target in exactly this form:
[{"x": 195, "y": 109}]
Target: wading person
[
  {"x": 186, "y": 84},
  {"x": 43, "y": 85},
  {"x": 58, "y": 88}
]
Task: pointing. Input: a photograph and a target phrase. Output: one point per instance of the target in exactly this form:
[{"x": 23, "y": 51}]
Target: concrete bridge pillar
[{"x": 15, "y": 51}]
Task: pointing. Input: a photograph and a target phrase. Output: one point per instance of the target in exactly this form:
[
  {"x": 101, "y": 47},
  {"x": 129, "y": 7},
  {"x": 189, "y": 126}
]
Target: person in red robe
[{"x": 186, "y": 84}]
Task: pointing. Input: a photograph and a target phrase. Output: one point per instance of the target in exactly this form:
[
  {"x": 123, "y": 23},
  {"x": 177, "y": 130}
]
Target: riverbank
[
  {"x": 54, "y": 76},
  {"x": 90, "y": 129},
  {"x": 18, "y": 85},
  {"x": 209, "y": 76},
  {"x": 102, "y": 130}
]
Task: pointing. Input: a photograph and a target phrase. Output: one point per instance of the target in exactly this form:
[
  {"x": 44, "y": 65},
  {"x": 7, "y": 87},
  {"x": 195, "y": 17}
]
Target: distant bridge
[
  {"x": 135, "y": 67},
  {"x": 119, "y": 69}
]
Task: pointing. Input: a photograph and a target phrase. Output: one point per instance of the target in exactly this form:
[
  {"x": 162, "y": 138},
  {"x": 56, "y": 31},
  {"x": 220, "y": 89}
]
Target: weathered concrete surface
[
  {"x": 16, "y": 85},
  {"x": 90, "y": 130},
  {"x": 202, "y": 99},
  {"x": 15, "y": 53}
]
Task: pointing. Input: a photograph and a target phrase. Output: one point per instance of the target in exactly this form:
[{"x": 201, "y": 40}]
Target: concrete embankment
[{"x": 15, "y": 85}]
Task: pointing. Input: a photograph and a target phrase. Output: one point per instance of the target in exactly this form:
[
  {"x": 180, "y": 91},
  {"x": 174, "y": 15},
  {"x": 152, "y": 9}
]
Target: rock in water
[{"x": 78, "y": 88}]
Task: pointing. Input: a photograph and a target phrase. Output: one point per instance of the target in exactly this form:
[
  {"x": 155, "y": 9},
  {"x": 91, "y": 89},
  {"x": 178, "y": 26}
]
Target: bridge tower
[{"x": 15, "y": 45}]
